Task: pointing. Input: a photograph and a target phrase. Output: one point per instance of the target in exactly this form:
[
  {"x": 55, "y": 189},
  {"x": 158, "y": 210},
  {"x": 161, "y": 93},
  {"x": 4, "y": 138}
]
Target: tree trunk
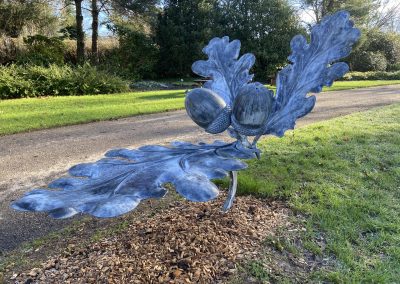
[
  {"x": 80, "y": 36},
  {"x": 95, "y": 31}
]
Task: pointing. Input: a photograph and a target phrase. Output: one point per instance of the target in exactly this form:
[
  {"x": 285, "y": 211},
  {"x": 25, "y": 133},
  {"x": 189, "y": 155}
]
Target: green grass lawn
[
  {"x": 38, "y": 113},
  {"x": 344, "y": 176}
]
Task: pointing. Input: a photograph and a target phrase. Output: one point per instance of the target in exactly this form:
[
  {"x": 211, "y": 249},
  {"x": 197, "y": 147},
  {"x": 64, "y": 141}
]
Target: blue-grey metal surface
[
  {"x": 116, "y": 184},
  {"x": 256, "y": 111},
  {"x": 229, "y": 101}
]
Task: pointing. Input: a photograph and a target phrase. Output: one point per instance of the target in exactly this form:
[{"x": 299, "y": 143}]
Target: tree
[
  {"x": 386, "y": 17},
  {"x": 369, "y": 61},
  {"x": 116, "y": 9},
  {"x": 377, "y": 51},
  {"x": 134, "y": 7},
  {"x": 132, "y": 21},
  {"x": 80, "y": 35},
  {"x": 42, "y": 50},
  {"x": 136, "y": 56},
  {"x": 31, "y": 16},
  {"x": 183, "y": 28},
  {"x": 265, "y": 28},
  {"x": 95, "y": 29},
  {"x": 67, "y": 20},
  {"x": 387, "y": 43},
  {"x": 359, "y": 9}
]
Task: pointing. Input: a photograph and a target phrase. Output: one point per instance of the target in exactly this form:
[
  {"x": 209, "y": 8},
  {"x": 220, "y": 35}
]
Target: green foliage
[
  {"x": 257, "y": 270},
  {"x": 359, "y": 9},
  {"x": 393, "y": 67},
  {"x": 135, "y": 58},
  {"x": 34, "y": 81},
  {"x": 356, "y": 76},
  {"x": 69, "y": 32},
  {"x": 67, "y": 22},
  {"x": 369, "y": 61},
  {"x": 378, "y": 51},
  {"x": 19, "y": 14},
  {"x": 183, "y": 29},
  {"x": 264, "y": 28},
  {"x": 42, "y": 50},
  {"x": 387, "y": 43},
  {"x": 344, "y": 175},
  {"x": 10, "y": 48},
  {"x": 13, "y": 85},
  {"x": 134, "y": 6}
]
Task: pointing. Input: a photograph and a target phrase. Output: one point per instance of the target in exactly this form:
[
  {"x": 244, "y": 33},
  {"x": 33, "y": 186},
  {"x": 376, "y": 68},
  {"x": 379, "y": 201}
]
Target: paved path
[{"x": 33, "y": 159}]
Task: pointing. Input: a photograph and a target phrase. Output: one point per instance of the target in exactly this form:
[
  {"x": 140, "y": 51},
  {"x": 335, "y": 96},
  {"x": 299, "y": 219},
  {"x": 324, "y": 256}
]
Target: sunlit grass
[
  {"x": 39, "y": 113},
  {"x": 21, "y": 115},
  {"x": 346, "y": 85},
  {"x": 344, "y": 175}
]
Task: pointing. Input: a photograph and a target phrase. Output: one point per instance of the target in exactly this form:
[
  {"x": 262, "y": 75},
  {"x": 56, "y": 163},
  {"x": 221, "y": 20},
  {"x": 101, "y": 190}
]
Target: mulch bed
[{"x": 185, "y": 243}]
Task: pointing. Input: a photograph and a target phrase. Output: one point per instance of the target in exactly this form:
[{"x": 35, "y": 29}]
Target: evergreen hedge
[
  {"x": 372, "y": 75},
  {"x": 34, "y": 81}
]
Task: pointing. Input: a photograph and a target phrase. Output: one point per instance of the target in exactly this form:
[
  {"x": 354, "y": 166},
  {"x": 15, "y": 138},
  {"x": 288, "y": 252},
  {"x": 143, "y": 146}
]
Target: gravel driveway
[{"x": 33, "y": 159}]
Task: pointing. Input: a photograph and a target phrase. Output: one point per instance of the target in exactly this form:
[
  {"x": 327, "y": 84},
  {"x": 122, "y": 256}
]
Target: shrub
[
  {"x": 69, "y": 32},
  {"x": 369, "y": 61},
  {"x": 136, "y": 56},
  {"x": 34, "y": 81},
  {"x": 393, "y": 67},
  {"x": 385, "y": 42},
  {"x": 378, "y": 51},
  {"x": 20, "y": 16},
  {"x": 10, "y": 48},
  {"x": 13, "y": 85},
  {"x": 355, "y": 76},
  {"x": 89, "y": 80},
  {"x": 42, "y": 50}
]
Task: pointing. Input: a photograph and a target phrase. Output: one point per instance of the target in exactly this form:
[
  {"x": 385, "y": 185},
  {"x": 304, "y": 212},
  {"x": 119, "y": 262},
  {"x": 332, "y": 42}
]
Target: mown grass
[
  {"x": 39, "y": 113},
  {"x": 344, "y": 176},
  {"x": 347, "y": 85},
  {"x": 339, "y": 85}
]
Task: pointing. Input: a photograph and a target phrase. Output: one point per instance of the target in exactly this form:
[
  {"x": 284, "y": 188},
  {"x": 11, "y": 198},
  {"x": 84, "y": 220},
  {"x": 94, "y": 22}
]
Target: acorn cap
[{"x": 221, "y": 122}]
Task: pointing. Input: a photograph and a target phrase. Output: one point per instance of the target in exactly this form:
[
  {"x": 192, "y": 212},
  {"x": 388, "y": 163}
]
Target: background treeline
[{"x": 96, "y": 46}]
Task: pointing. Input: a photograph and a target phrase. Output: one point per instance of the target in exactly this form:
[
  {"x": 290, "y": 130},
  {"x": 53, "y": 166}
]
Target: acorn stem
[
  {"x": 232, "y": 191},
  {"x": 256, "y": 140},
  {"x": 243, "y": 139}
]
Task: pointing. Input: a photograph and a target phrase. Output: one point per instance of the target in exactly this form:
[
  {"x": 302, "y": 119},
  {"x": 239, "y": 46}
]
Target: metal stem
[{"x": 232, "y": 191}]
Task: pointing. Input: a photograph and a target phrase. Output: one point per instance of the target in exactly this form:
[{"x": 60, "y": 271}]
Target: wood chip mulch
[{"x": 186, "y": 243}]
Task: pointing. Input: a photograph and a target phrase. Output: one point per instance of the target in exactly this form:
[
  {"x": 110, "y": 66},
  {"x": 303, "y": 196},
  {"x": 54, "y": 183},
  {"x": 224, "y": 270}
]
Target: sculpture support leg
[{"x": 232, "y": 191}]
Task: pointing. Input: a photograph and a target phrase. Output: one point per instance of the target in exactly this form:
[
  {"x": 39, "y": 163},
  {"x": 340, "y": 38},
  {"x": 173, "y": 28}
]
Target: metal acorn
[
  {"x": 117, "y": 184},
  {"x": 208, "y": 110},
  {"x": 251, "y": 109}
]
